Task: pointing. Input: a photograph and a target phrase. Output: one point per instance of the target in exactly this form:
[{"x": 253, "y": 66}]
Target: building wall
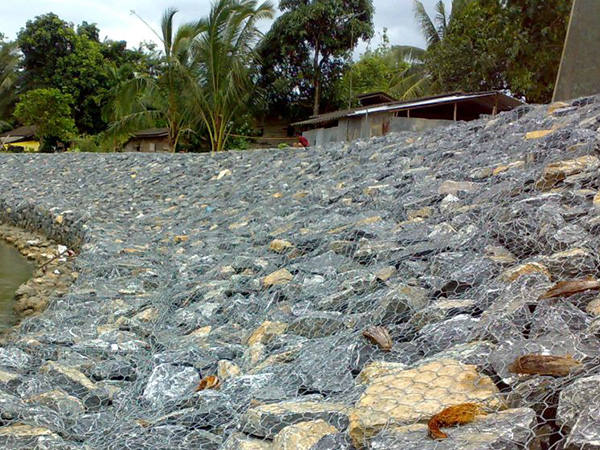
[
  {"x": 148, "y": 145},
  {"x": 398, "y": 124},
  {"x": 364, "y": 127},
  {"x": 322, "y": 136}
]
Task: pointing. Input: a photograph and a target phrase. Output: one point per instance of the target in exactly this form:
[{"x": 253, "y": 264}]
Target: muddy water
[{"x": 14, "y": 271}]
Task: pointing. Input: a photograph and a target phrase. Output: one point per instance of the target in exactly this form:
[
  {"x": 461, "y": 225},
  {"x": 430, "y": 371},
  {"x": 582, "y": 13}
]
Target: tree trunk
[{"x": 317, "y": 80}]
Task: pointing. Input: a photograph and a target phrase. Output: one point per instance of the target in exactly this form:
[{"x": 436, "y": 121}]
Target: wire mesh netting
[{"x": 413, "y": 291}]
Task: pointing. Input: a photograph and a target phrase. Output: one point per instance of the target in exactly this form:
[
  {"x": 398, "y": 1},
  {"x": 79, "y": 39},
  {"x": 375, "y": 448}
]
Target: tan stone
[
  {"x": 280, "y": 245},
  {"x": 281, "y": 276},
  {"x": 59, "y": 219},
  {"x": 282, "y": 229},
  {"x": 223, "y": 173},
  {"x": 378, "y": 369},
  {"x": 538, "y": 134},
  {"x": 515, "y": 273},
  {"x": 514, "y": 165},
  {"x": 597, "y": 198},
  {"x": 303, "y": 435},
  {"x": 416, "y": 394},
  {"x": 254, "y": 354},
  {"x": 147, "y": 315},
  {"x": 500, "y": 255},
  {"x": 385, "y": 273},
  {"x": 422, "y": 213},
  {"x": 70, "y": 373},
  {"x": 259, "y": 415},
  {"x": 560, "y": 170},
  {"x": 241, "y": 441},
  {"x": 373, "y": 190},
  {"x": 227, "y": 369},
  {"x": 265, "y": 332},
  {"x": 21, "y": 430},
  {"x": 594, "y": 307},
  {"x": 556, "y": 106},
  {"x": 181, "y": 238},
  {"x": 237, "y": 226},
  {"x": 56, "y": 399},
  {"x": 201, "y": 332},
  {"x": 6, "y": 377},
  {"x": 368, "y": 220},
  {"x": 453, "y": 187}
]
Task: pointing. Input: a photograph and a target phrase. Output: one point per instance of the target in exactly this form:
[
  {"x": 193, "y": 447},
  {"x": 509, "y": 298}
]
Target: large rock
[
  {"x": 26, "y": 437},
  {"x": 170, "y": 384},
  {"x": 506, "y": 430},
  {"x": 70, "y": 379},
  {"x": 268, "y": 420},
  {"x": 579, "y": 413},
  {"x": 60, "y": 402},
  {"x": 302, "y": 436},
  {"x": 414, "y": 395}
]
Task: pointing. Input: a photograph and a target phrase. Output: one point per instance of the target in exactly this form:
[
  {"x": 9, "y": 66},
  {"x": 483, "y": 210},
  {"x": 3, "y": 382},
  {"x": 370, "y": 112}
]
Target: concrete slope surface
[{"x": 322, "y": 298}]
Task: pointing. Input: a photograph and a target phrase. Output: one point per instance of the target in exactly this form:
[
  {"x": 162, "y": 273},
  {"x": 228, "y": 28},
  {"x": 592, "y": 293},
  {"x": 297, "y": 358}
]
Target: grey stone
[
  {"x": 170, "y": 384},
  {"x": 506, "y": 430},
  {"x": 579, "y": 412}
]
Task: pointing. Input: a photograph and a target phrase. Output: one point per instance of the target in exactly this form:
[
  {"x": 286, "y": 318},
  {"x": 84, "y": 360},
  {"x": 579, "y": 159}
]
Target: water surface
[{"x": 14, "y": 271}]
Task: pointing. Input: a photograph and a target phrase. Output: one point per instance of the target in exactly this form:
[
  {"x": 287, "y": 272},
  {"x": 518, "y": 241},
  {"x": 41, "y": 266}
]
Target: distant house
[
  {"x": 381, "y": 116},
  {"x": 149, "y": 141},
  {"x": 20, "y": 137}
]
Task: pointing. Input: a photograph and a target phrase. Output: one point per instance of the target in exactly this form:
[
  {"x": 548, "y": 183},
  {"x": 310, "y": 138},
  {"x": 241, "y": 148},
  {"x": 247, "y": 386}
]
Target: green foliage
[
  {"x": 206, "y": 77},
  {"x": 536, "y": 31},
  {"x": 502, "y": 44},
  {"x": 149, "y": 99},
  {"x": 472, "y": 55},
  {"x": 49, "y": 110},
  {"x": 56, "y": 55},
  {"x": 307, "y": 48},
  {"x": 224, "y": 66},
  {"x": 9, "y": 61},
  {"x": 381, "y": 69},
  {"x": 283, "y": 146}
]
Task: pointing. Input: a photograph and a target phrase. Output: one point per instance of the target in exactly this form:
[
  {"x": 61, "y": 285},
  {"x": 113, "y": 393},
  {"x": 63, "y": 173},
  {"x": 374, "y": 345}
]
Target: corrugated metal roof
[
  {"x": 415, "y": 104},
  {"x": 505, "y": 102}
]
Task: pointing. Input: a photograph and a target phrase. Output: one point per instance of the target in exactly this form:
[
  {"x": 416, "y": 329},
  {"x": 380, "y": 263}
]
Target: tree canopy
[
  {"x": 308, "y": 47},
  {"x": 49, "y": 110}
]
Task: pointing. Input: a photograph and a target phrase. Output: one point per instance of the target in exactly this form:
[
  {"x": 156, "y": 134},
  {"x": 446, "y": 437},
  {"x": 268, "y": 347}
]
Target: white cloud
[{"x": 116, "y": 21}]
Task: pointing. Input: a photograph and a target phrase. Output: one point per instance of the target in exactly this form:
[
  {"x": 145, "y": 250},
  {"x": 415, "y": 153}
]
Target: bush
[{"x": 282, "y": 146}]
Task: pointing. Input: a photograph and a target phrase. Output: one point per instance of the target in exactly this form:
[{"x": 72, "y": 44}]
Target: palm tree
[
  {"x": 416, "y": 81},
  {"x": 146, "y": 99},
  {"x": 435, "y": 29},
  {"x": 225, "y": 62},
  {"x": 206, "y": 79}
]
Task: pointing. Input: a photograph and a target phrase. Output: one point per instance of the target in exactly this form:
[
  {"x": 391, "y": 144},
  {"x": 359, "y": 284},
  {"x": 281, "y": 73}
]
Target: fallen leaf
[{"x": 568, "y": 288}]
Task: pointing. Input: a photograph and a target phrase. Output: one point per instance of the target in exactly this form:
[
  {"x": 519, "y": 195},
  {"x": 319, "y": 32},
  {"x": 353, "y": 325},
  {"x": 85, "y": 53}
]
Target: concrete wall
[
  {"x": 398, "y": 124},
  {"x": 148, "y": 145},
  {"x": 322, "y": 136},
  {"x": 579, "y": 71}
]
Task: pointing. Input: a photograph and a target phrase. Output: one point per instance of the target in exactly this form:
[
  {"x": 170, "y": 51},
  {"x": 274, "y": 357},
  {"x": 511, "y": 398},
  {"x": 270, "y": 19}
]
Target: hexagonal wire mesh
[{"x": 416, "y": 291}]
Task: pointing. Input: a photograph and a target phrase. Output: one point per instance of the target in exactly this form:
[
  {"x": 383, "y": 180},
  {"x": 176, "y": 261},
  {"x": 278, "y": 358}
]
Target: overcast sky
[{"x": 115, "y": 20}]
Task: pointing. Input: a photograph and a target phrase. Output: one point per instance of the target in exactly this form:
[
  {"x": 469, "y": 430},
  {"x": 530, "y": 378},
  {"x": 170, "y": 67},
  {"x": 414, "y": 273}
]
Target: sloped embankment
[{"x": 265, "y": 268}]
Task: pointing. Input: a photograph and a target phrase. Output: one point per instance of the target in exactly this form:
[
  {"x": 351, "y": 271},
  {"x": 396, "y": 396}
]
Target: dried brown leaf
[
  {"x": 568, "y": 288},
  {"x": 558, "y": 366},
  {"x": 452, "y": 416},
  {"x": 379, "y": 336},
  {"x": 209, "y": 382}
]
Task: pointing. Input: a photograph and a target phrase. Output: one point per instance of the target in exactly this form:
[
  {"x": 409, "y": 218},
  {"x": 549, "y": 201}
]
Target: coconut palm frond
[{"x": 427, "y": 25}]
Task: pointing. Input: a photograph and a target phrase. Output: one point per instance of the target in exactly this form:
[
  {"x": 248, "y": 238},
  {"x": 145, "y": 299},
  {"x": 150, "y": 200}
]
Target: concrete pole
[{"x": 579, "y": 72}]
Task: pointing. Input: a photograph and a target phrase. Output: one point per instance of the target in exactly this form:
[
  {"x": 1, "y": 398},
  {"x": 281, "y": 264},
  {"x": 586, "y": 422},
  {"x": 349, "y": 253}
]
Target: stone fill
[{"x": 264, "y": 269}]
